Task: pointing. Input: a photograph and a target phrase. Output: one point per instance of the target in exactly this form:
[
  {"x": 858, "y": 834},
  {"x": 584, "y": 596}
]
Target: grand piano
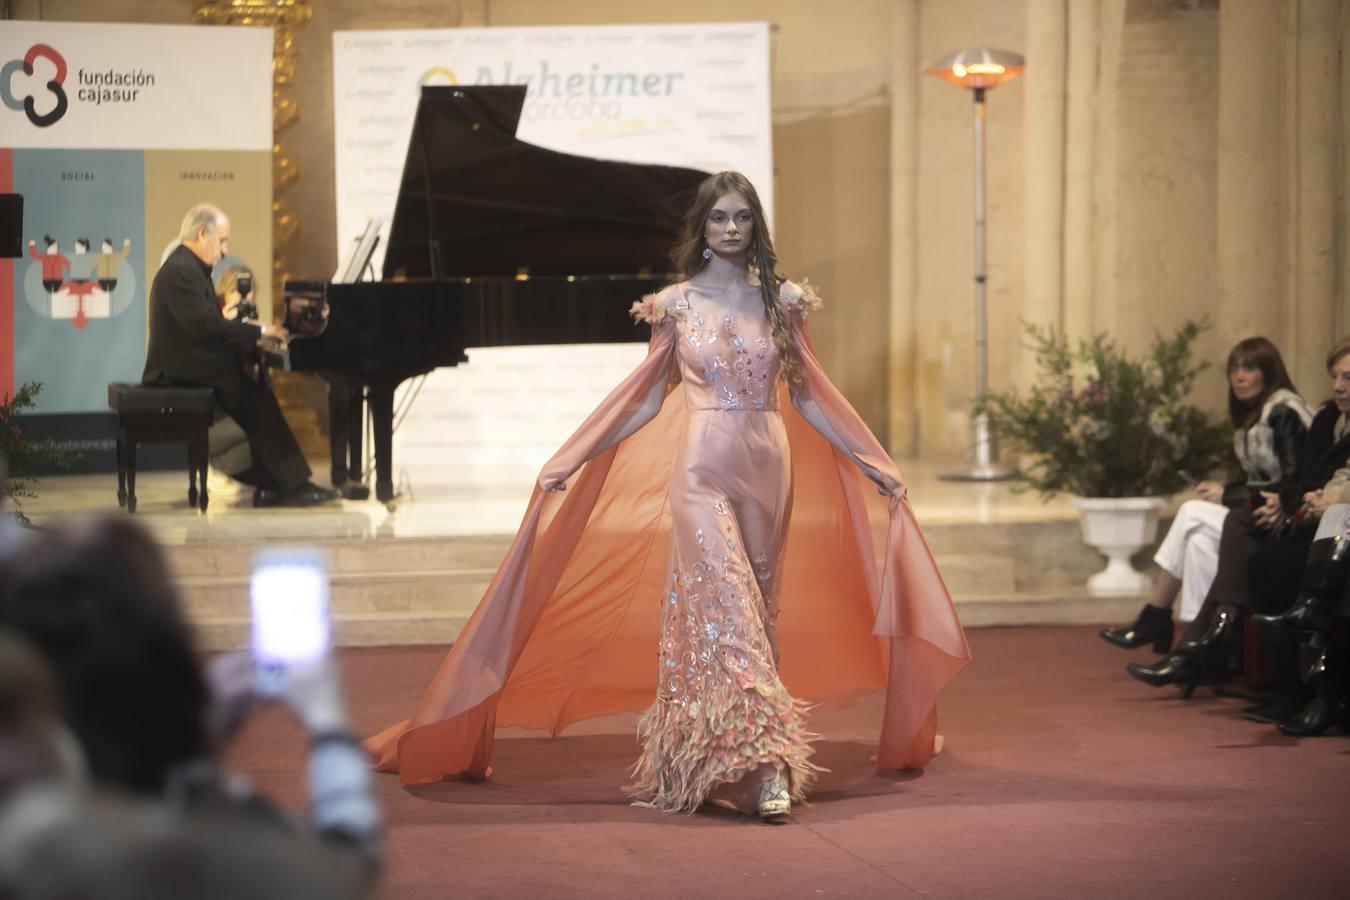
[{"x": 494, "y": 242}]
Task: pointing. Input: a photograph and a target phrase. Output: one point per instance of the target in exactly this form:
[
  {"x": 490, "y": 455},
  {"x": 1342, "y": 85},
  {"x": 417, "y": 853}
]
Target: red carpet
[{"x": 1061, "y": 777}]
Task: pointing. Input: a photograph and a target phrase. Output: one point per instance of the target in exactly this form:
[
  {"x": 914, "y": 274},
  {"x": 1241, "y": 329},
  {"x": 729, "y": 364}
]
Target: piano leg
[
  {"x": 381, "y": 399},
  {"x": 346, "y": 422},
  {"x": 356, "y": 428}
]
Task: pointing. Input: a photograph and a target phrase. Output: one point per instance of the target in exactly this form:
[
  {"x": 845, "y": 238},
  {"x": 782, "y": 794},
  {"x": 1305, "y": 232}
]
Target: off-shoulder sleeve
[
  {"x": 655, "y": 309},
  {"x": 915, "y": 616},
  {"x": 634, "y": 402},
  {"x": 450, "y": 733},
  {"x": 823, "y": 404},
  {"x": 799, "y": 298}
]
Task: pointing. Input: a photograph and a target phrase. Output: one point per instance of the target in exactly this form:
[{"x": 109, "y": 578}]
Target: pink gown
[{"x": 700, "y": 503}]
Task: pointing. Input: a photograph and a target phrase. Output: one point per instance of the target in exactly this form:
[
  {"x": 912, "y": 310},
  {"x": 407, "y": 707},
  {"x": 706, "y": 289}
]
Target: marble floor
[{"x": 486, "y": 509}]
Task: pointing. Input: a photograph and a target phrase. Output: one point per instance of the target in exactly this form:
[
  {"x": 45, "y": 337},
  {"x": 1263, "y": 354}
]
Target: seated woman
[
  {"x": 1308, "y": 643},
  {"x": 1263, "y": 551},
  {"x": 1270, "y": 423}
]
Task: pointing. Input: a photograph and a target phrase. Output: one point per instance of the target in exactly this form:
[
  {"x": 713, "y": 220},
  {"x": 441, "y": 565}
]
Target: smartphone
[{"x": 288, "y": 595}]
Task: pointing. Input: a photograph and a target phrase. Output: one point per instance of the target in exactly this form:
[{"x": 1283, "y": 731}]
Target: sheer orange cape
[{"x": 568, "y": 628}]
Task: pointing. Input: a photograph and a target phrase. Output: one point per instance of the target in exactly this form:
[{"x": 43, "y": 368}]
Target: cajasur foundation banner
[{"x": 110, "y": 133}]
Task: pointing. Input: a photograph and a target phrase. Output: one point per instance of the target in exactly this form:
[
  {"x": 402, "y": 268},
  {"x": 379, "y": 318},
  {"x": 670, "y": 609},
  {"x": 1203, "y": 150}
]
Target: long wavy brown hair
[{"x": 688, "y": 258}]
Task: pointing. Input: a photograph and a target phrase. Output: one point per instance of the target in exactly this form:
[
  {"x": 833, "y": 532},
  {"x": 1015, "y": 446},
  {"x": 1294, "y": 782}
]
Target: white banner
[
  {"x": 141, "y": 87},
  {"x": 680, "y": 95}
]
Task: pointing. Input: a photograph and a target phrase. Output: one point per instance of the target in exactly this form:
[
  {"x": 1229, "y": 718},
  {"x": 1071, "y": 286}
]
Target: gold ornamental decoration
[{"x": 285, "y": 18}]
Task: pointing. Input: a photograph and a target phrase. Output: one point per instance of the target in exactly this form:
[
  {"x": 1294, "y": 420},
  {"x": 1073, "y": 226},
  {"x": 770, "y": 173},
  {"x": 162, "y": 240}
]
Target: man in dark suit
[{"x": 191, "y": 343}]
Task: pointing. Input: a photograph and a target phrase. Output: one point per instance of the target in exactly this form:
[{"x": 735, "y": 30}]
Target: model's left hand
[
  {"x": 896, "y": 490},
  {"x": 886, "y": 485}
]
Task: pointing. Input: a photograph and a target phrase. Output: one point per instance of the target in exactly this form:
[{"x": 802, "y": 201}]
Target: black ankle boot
[
  {"x": 1224, "y": 631},
  {"x": 1319, "y": 715},
  {"x": 1290, "y": 694},
  {"x": 1283, "y": 706},
  {"x": 1171, "y": 669},
  {"x": 1324, "y": 577},
  {"x": 1188, "y": 670},
  {"x": 1210, "y": 659},
  {"x": 1153, "y": 625},
  {"x": 1328, "y": 673}
]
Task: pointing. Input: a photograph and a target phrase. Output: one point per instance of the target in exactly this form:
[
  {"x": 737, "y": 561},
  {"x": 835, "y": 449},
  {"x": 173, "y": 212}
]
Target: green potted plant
[
  {"x": 1116, "y": 432},
  {"x": 21, "y": 456}
]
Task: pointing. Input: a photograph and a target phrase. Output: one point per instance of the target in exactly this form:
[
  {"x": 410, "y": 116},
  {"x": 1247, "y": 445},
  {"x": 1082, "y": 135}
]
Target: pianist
[{"x": 192, "y": 343}]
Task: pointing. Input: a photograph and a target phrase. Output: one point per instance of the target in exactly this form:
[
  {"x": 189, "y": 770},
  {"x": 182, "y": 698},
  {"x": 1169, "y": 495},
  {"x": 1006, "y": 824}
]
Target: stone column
[
  {"x": 1079, "y": 146},
  {"x": 1043, "y": 173},
  {"x": 1341, "y": 314},
  {"x": 1317, "y": 220},
  {"x": 901, "y": 418},
  {"x": 1251, "y": 219},
  {"x": 1105, "y": 168}
]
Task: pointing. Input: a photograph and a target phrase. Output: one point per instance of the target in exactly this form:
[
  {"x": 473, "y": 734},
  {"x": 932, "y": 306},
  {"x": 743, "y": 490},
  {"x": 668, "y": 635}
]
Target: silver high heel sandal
[{"x": 775, "y": 801}]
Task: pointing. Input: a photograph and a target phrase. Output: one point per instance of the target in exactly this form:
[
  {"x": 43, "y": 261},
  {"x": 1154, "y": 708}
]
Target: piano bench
[{"x": 149, "y": 414}]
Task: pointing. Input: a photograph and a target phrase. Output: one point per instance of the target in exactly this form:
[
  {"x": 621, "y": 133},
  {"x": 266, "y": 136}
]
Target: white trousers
[
  {"x": 1335, "y": 521},
  {"x": 1190, "y": 551}
]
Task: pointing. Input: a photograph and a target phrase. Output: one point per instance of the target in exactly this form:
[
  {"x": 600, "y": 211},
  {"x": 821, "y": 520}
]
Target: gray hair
[{"x": 203, "y": 215}]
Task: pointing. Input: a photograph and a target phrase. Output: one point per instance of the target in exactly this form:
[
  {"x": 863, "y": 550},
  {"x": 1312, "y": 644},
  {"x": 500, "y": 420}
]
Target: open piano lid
[{"x": 499, "y": 205}]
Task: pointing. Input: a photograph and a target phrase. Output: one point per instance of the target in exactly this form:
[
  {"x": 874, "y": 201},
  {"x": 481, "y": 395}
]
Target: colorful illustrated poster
[{"x": 110, "y": 133}]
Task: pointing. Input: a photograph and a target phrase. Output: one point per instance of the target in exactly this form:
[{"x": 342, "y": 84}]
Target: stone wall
[{"x": 1203, "y": 174}]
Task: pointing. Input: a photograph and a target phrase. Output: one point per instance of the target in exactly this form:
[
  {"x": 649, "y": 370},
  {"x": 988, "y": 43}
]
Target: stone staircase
[{"x": 421, "y": 590}]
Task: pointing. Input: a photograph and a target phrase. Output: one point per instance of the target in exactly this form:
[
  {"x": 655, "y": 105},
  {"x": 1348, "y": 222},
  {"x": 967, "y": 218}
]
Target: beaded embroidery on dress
[{"x": 721, "y": 710}]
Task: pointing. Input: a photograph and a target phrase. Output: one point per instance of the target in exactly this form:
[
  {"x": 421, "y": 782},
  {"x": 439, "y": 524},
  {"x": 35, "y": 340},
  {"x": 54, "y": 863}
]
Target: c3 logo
[{"x": 26, "y": 105}]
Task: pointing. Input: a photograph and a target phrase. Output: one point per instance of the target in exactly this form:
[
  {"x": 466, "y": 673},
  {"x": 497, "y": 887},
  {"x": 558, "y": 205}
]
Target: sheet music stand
[{"x": 356, "y": 265}]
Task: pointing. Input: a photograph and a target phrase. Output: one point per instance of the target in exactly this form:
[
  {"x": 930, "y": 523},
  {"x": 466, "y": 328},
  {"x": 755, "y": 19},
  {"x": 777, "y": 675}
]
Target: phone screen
[{"x": 288, "y": 594}]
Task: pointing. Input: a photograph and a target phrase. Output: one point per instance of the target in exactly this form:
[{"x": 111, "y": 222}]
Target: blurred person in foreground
[
  {"x": 96, "y": 600},
  {"x": 36, "y": 747},
  {"x": 64, "y": 845}
]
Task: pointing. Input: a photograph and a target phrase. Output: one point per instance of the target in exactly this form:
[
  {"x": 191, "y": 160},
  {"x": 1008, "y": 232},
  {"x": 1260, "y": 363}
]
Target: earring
[{"x": 707, "y": 253}]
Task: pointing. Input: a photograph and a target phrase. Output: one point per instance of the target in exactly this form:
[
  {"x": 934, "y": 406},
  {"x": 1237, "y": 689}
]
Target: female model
[{"x": 667, "y": 524}]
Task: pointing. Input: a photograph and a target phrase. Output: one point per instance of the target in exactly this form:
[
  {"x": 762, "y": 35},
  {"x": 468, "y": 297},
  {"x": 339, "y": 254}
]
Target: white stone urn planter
[{"x": 1118, "y": 527}]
